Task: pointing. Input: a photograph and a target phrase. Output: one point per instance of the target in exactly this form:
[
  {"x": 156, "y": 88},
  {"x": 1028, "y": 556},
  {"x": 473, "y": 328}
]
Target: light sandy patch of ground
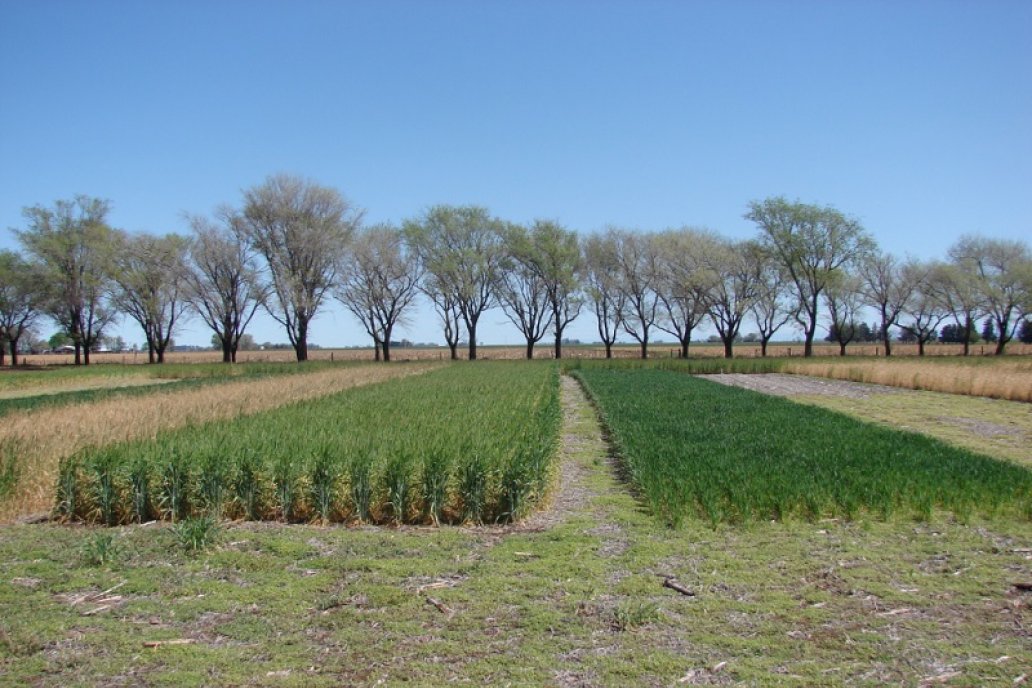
[{"x": 795, "y": 385}]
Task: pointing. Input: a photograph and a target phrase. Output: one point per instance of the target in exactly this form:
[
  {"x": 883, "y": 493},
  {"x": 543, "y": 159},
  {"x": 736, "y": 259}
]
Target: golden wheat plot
[
  {"x": 1009, "y": 379},
  {"x": 49, "y": 434}
]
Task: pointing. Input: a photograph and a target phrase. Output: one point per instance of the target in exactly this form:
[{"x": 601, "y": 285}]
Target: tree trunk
[
  {"x": 386, "y": 350},
  {"x": 78, "y": 354},
  {"x": 1001, "y": 339},
  {"x": 376, "y": 349},
  {"x": 886, "y": 341},
  {"x": 729, "y": 347},
  {"x": 968, "y": 325},
  {"x": 842, "y": 349},
  {"x": 920, "y": 346},
  {"x": 808, "y": 343},
  {"x": 1000, "y": 345},
  {"x": 609, "y": 349},
  {"x": 558, "y": 344},
  {"x": 763, "y": 347},
  {"x": 14, "y": 353},
  {"x": 86, "y": 355},
  {"x": 228, "y": 351},
  {"x": 685, "y": 343},
  {"x": 530, "y": 350},
  {"x": 2, "y": 354},
  {"x": 150, "y": 351},
  {"x": 472, "y": 329},
  {"x": 454, "y": 348},
  {"x": 644, "y": 347},
  {"x": 301, "y": 347}
]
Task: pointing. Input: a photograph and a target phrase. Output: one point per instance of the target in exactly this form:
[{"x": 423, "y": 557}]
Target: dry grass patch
[
  {"x": 49, "y": 434},
  {"x": 1007, "y": 378}
]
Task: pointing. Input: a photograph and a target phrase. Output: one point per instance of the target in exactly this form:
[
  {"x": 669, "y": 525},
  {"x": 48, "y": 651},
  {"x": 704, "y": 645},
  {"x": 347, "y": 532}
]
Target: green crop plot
[
  {"x": 694, "y": 448},
  {"x": 466, "y": 443}
]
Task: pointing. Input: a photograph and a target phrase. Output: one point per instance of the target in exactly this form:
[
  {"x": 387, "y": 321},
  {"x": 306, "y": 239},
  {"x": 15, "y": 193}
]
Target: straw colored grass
[
  {"x": 50, "y": 434},
  {"x": 1004, "y": 378}
]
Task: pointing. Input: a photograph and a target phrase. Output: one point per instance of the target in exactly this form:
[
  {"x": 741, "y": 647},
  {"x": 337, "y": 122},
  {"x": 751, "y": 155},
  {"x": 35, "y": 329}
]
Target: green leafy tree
[
  {"x": 813, "y": 244},
  {"x": 462, "y": 251},
  {"x": 75, "y": 249},
  {"x": 1002, "y": 271}
]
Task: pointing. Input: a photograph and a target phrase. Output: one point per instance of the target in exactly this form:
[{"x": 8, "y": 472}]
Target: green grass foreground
[
  {"x": 697, "y": 449},
  {"x": 465, "y": 443}
]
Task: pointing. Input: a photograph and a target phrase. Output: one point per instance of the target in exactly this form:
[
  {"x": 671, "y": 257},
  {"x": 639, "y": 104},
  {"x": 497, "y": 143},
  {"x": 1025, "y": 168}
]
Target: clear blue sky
[{"x": 915, "y": 117}]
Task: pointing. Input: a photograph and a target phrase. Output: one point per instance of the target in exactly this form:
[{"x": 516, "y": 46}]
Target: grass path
[{"x": 572, "y": 597}]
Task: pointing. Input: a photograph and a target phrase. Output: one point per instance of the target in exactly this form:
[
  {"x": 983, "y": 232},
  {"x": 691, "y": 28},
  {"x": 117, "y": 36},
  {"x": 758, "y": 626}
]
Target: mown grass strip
[
  {"x": 696, "y": 449},
  {"x": 472, "y": 442}
]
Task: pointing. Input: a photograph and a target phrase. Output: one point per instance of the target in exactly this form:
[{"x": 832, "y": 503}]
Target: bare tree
[
  {"x": 925, "y": 308},
  {"x": 521, "y": 288},
  {"x": 224, "y": 286},
  {"x": 461, "y": 250},
  {"x": 844, "y": 299},
  {"x": 447, "y": 308},
  {"x": 637, "y": 265},
  {"x": 150, "y": 278},
  {"x": 734, "y": 268},
  {"x": 380, "y": 281},
  {"x": 21, "y": 300},
  {"x": 682, "y": 282},
  {"x": 302, "y": 230},
  {"x": 887, "y": 285},
  {"x": 601, "y": 261},
  {"x": 1003, "y": 273},
  {"x": 74, "y": 246},
  {"x": 812, "y": 243}
]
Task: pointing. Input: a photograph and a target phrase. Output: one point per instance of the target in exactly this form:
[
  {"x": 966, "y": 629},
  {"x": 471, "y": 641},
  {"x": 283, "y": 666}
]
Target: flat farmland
[{"x": 585, "y": 583}]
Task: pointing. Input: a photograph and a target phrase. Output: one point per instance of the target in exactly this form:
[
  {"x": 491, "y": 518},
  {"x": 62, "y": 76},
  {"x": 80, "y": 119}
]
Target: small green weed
[
  {"x": 101, "y": 549},
  {"x": 196, "y": 533}
]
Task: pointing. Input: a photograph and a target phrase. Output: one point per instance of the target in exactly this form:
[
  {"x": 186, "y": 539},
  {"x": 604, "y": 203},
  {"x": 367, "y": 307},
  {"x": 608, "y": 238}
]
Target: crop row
[
  {"x": 465, "y": 443},
  {"x": 694, "y": 448}
]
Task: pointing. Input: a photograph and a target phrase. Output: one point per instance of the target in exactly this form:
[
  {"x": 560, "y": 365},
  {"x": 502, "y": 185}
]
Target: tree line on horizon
[{"x": 293, "y": 244}]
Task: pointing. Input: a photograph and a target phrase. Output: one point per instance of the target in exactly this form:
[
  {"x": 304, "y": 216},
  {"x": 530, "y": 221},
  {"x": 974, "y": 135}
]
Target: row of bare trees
[{"x": 293, "y": 244}]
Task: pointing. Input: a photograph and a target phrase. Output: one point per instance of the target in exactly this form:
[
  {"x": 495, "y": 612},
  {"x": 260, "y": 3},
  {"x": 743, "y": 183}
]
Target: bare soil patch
[{"x": 797, "y": 385}]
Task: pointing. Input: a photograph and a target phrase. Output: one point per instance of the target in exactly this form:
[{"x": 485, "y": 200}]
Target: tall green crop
[{"x": 697, "y": 449}]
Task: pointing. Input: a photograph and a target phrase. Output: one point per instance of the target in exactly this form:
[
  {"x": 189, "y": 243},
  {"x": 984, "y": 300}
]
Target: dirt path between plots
[
  {"x": 783, "y": 385},
  {"x": 571, "y": 493}
]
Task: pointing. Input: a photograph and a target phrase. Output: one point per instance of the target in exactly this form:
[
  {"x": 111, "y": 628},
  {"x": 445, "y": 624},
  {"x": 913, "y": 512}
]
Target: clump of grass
[
  {"x": 140, "y": 489},
  {"x": 473, "y": 476},
  {"x": 175, "y": 484},
  {"x": 323, "y": 475},
  {"x": 285, "y": 477},
  {"x": 696, "y": 449},
  {"x": 10, "y": 465},
  {"x": 360, "y": 474},
  {"x": 68, "y": 488},
  {"x": 105, "y": 491},
  {"x": 101, "y": 549},
  {"x": 399, "y": 486},
  {"x": 434, "y": 484},
  {"x": 635, "y": 614},
  {"x": 196, "y": 533},
  {"x": 246, "y": 484},
  {"x": 213, "y": 478}
]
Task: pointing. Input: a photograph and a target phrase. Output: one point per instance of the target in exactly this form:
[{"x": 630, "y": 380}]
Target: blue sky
[{"x": 915, "y": 117}]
